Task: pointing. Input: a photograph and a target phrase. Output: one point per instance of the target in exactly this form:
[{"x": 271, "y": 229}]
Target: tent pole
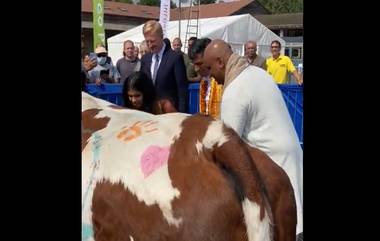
[{"x": 179, "y": 20}]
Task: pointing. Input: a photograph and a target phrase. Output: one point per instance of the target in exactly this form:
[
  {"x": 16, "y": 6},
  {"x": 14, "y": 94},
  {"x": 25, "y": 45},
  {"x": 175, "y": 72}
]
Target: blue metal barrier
[
  {"x": 109, "y": 92},
  {"x": 193, "y": 98},
  {"x": 293, "y": 96}
]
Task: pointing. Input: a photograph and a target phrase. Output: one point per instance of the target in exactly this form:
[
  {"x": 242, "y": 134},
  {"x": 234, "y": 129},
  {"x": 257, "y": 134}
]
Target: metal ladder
[{"x": 192, "y": 21}]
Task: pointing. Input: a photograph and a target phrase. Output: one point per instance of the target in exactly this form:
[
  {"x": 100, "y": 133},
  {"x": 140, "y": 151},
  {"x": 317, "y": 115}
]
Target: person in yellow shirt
[
  {"x": 210, "y": 92},
  {"x": 278, "y": 66}
]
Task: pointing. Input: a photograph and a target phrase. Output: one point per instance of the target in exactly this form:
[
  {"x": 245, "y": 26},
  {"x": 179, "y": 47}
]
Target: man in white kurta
[{"x": 253, "y": 106}]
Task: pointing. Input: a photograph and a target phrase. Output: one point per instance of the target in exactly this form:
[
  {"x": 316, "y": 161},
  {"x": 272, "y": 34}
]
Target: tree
[
  {"x": 203, "y": 1},
  {"x": 173, "y": 5},
  {"x": 155, "y": 3},
  {"x": 150, "y": 2},
  {"x": 283, "y": 6},
  {"x": 124, "y": 1}
]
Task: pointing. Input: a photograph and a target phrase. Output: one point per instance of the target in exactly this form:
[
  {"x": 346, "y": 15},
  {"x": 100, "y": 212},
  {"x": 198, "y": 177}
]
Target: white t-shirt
[{"x": 253, "y": 106}]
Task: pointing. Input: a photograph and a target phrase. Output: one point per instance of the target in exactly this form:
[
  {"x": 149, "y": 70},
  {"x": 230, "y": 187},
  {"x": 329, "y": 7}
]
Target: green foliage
[
  {"x": 283, "y": 6},
  {"x": 125, "y": 1},
  {"x": 150, "y": 2}
]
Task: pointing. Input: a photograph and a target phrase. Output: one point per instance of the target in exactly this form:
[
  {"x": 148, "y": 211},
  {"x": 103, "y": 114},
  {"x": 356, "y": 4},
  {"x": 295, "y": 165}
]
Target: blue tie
[{"x": 155, "y": 68}]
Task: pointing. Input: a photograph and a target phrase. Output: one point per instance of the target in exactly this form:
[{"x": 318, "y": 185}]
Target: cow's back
[
  {"x": 158, "y": 185},
  {"x": 165, "y": 178},
  {"x": 118, "y": 146}
]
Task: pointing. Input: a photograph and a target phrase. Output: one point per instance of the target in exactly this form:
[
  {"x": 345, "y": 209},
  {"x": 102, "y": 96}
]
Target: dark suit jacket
[{"x": 171, "y": 81}]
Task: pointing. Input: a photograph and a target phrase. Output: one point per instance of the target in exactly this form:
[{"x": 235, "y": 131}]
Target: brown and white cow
[{"x": 177, "y": 177}]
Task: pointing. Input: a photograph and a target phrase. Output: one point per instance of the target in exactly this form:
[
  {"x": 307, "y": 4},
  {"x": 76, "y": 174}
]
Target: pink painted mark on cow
[{"x": 153, "y": 158}]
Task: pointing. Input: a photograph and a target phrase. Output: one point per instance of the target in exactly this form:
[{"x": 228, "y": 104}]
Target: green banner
[{"x": 98, "y": 22}]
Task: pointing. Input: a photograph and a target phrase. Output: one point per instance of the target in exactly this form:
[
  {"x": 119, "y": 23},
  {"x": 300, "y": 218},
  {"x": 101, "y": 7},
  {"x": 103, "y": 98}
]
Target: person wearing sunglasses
[
  {"x": 96, "y": 75},
  {"x": 279, "y": 66}
]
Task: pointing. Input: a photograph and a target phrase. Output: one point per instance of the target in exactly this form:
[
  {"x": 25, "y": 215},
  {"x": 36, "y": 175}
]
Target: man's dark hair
[
  {"x": 198, "y": 47},
  {"x": 192, "y": 38},
  {"x": 276, "y": 41}
]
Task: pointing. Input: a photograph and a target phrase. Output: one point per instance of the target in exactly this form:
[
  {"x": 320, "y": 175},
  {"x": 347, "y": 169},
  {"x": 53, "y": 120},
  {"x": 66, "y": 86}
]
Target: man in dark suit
[{"x": 165, "y": 67}]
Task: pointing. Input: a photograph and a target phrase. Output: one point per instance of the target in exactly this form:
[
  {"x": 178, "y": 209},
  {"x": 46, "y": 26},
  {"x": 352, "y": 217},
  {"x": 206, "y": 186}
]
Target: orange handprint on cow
[{"x": 137, "y": 129}]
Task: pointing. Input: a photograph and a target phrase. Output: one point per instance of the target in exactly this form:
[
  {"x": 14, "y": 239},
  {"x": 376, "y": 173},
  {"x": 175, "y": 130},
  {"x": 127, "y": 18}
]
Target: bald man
[
  {"x": 253, "y": 106},
  {"x": 250, "y": 53}
]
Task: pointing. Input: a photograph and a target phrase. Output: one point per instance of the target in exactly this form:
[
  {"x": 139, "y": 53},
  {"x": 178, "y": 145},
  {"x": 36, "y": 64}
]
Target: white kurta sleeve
[{"x": 234, "y": 111}]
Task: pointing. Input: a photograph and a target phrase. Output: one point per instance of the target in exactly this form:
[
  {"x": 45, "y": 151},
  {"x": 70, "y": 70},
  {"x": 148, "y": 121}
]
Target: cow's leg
[
  {"x": 255, "y": 202},
  {"x": 281, "y": 195},
  {"x": 230, "y": 154},
  {"x": 286, "y": 217},
  {"x": 108, "y": 223},
  {"x": 105, "y": 219},
  {"x": 118, "y": 215},
  {"x": 208, "y": 204}
]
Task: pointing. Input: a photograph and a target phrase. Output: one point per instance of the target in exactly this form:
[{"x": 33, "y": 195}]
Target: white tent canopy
[{"x": 235, "y": 30}]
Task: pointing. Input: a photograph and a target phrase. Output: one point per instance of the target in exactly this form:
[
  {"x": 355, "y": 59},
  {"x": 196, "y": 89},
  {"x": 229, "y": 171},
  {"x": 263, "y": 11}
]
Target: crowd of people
[
  {"x": 241, "y": 91},
  {"x": 172, "y": 85}
]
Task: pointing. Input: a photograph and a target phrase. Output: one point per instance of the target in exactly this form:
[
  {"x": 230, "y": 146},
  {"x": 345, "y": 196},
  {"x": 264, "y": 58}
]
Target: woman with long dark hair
[{"x": 139, "y": 93}]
